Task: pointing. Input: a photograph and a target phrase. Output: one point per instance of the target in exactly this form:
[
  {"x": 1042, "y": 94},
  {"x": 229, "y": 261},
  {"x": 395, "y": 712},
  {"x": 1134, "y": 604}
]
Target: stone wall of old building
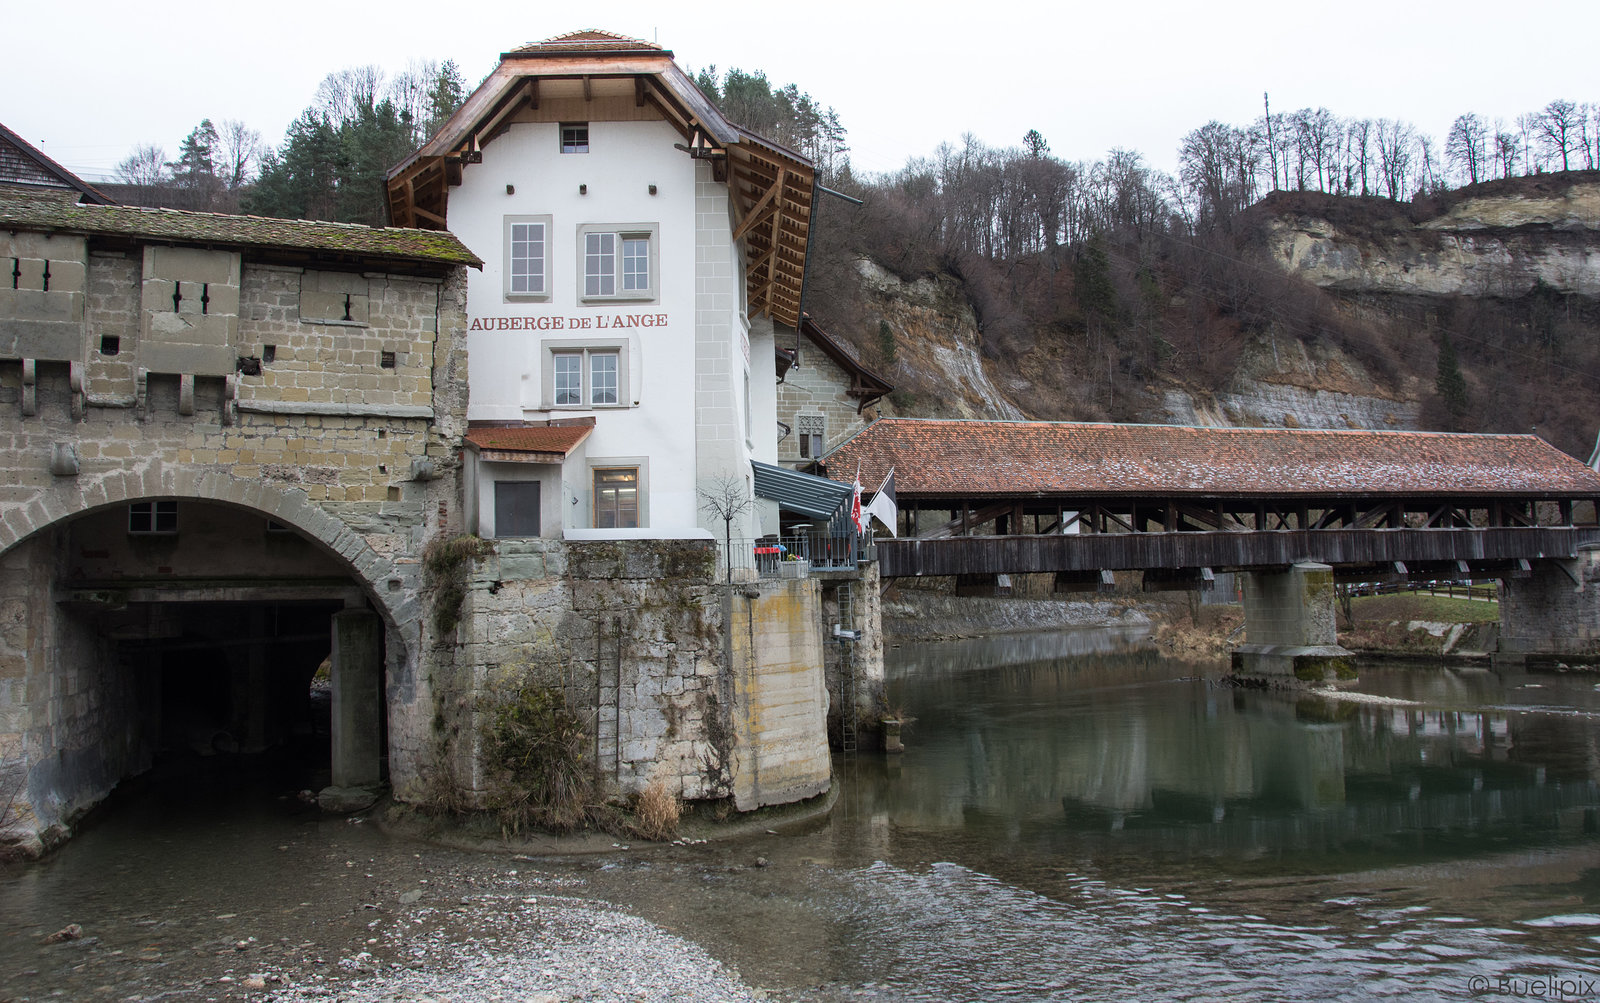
[
  {"x": 815, "y": 391},
  {"x": 348, "y": 434},
  {"x": 715, "y": 690}
]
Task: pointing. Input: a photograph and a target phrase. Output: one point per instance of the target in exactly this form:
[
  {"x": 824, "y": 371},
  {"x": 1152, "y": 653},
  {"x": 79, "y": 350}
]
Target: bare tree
[
  {"x": 1360, "y": 144},
  {"x": 1558, "y": 128},
  {"x": 1527, "y": 132},
  {"x": 1429, "y": 179},
  {"x": 146, "y": 169},
  {"x": 1395, "y": 142},
  {"x": 1585, "y": 113},
  {"x": 240, "y": 150},
  {"x": 1322, "y": 131},
  {"x": 344, "y": 94},
  {"x": 1507, "y": 150},
  {"x": 409, "y": 91},
  {"x": 1467, "y": 148},
  {"x": 726, "y": 498}
]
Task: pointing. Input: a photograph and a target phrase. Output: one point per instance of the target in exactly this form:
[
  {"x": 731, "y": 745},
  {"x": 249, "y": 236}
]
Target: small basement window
[{"x": 152, "y": 517}]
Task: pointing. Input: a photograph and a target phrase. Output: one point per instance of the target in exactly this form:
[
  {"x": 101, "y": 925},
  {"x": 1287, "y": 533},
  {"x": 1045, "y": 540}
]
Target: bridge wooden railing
[{"x": 1230, "y": 550}]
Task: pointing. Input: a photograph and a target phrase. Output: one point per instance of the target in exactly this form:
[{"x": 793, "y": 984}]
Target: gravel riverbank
[{"x": 509, "y": 946}]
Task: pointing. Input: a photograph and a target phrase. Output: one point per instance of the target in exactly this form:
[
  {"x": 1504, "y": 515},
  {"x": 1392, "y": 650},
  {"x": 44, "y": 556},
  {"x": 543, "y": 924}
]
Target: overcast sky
[{"x": 88, "y": 83}]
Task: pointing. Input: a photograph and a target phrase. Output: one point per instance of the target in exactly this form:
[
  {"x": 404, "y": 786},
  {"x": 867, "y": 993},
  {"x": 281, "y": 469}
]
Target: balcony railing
[{"x": 788, "y": 556}]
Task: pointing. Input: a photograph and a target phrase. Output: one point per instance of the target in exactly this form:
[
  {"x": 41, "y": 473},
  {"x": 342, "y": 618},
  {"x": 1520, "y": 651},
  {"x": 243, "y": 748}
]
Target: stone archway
[
  {"x": 57, "y": 758},
  {"x": 386, "y": 582}
]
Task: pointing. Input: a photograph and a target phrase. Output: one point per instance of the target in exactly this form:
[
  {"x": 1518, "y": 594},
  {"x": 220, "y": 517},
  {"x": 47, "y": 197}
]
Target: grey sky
[{"x": 903, "y": 76}]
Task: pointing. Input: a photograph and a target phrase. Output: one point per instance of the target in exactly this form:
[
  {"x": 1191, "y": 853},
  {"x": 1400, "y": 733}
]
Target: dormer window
[{"x": 574, "y": 137}]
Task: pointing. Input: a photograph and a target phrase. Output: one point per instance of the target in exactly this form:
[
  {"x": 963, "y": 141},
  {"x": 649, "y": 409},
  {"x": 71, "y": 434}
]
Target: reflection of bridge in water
[
  {"x": 1294, "y": 510},
  {"x": 1112, "y": 749}
]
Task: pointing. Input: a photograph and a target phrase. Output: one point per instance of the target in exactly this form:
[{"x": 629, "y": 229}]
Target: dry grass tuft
[{"x": 655, "y": 812}]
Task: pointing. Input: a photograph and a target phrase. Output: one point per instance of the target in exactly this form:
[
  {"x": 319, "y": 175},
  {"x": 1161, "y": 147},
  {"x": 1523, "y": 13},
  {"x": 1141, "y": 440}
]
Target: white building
[{"x": 639, "y": 250}]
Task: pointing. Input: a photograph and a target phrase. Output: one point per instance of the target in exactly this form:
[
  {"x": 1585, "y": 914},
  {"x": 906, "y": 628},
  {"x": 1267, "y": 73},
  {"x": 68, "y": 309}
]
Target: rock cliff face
[
  {"x": 1500, "y": 239},
  {"x": 936, "y": 333},
  {"x": 1508, "y": 270}
]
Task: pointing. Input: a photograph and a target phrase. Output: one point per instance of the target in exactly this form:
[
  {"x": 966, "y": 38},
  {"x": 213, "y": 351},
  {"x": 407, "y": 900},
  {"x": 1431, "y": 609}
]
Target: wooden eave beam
[{"x": 754, "y": 216}]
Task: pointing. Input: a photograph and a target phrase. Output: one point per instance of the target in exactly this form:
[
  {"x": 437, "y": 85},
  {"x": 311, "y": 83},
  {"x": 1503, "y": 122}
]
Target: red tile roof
[
  {"x": 589, "y": 40},
  {"x": 935, "y": 458},
  {"x": 551, "y": 442}
]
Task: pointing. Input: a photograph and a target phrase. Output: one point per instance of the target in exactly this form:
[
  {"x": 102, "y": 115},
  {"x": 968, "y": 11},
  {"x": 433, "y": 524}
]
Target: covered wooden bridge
[
  {"x": 979, "y": 499},
  {"x": 987, "y": 497}
]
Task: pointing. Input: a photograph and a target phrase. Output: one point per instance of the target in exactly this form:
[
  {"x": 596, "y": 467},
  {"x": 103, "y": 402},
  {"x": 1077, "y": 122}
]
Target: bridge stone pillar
[
  {"x": 357, "y": 706},
  {"x": 1548, "y": 617},
  {"x": 1290, "y": 631}
]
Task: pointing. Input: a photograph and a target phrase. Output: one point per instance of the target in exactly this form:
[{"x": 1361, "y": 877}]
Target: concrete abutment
[{"x": 1290, "y": 628}]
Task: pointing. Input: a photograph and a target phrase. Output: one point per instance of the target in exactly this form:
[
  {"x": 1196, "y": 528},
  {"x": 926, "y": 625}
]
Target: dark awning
[{"x": 816, "y": 497}]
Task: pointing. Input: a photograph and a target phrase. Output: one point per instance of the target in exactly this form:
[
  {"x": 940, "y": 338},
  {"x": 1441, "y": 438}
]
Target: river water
[{"x": 1075, "y": 817}]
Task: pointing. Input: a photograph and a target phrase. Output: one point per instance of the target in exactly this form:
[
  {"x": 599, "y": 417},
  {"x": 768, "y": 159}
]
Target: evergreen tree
[
  {"x": 376, "y": 139},
  {"x": 1449, "y": 384},
  {"x": 195, "y": 170},
  {"x": 300, "y": 181},
  {"x": 444, "y": 97}
]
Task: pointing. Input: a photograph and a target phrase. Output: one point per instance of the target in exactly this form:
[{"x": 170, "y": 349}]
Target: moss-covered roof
[{"x": 48, "y": 211}]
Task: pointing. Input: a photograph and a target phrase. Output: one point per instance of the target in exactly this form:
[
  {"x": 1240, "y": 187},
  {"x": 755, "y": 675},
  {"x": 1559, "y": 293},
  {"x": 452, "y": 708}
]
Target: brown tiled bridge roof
[
  {"x": 589, "y": 40},
  {"x": 53, "y": 211},
  {"x": 531, "y": 443},
  {"x": 952, "y": 459}
]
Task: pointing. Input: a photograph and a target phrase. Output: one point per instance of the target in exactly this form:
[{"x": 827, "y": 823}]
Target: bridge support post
[
  {"x": 1289, "y": 623},
  {"x": 357, "y": 708},
  {"x": 1553, "y": 615}
]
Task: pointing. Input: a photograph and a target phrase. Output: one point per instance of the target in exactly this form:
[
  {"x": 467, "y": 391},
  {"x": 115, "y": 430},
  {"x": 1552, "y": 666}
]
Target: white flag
[{"x": 884, "y": 508}]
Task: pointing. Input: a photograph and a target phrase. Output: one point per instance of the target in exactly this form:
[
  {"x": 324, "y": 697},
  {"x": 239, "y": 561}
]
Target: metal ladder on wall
[{"x": 849, "y": 713}]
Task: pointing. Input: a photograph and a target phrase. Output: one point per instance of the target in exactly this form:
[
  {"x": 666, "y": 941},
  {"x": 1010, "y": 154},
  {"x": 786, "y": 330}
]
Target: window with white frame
[
  {"x": 586, "y": 374},
  {"x": 527, "y": 258},
  {"x": 618, "y": 263},
  {"x": 574, "y": 137}
]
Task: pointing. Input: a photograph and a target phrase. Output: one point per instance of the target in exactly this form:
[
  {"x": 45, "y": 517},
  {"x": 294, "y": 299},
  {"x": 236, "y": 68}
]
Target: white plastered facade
[{"x": 685, "y": 349}]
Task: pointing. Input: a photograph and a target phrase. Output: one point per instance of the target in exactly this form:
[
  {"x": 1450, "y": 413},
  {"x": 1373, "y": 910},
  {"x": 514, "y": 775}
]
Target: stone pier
[
  {"x": 1552, "y": 615},
  {"x": 357, "y": 723},
  {"x": 1291, "y": 634}
]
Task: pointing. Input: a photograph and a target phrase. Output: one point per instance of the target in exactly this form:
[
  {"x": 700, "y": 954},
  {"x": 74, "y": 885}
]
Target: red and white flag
[{"x": 855, "y": 503}]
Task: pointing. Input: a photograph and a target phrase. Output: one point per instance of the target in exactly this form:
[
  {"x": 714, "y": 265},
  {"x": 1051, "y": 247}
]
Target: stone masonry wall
[
  {"x": 1547, "y": 615},
  {"x": 817, "y": 386},
  {"x": 636, "y": 634},
  {"x": 359, "y": 457}
]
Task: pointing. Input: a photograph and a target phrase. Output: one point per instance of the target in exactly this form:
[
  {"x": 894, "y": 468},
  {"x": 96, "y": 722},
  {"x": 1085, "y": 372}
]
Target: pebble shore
[{"x": 523, "y": 949}]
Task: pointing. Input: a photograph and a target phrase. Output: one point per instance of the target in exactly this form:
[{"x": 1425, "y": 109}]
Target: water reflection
[{"x": 1129, "y": 754}]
